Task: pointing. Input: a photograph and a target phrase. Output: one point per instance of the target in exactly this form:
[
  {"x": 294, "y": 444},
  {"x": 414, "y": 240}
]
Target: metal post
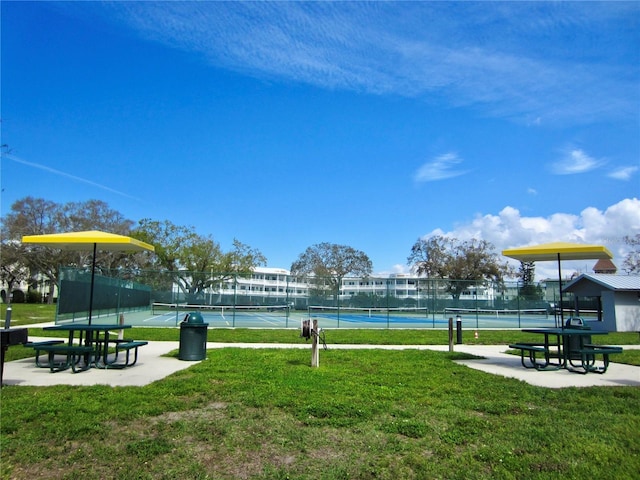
[
  {"x": 315, "y": 355},
  {"x": 560, "y": 288},
  {"x": 93, "y": 278},
  {"x": 286, "y": 300},
  {"x": 458, "y": 330},
  {"x": 433, "y": 304},
  {"x": 7, "y": 319}
]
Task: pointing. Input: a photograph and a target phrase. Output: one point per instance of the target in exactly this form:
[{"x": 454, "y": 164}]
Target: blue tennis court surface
[{"x": 261, "y": 318}]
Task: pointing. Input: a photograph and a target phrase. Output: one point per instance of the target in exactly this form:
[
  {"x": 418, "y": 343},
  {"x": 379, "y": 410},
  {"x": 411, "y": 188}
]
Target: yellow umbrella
[
  {"x": 90, "y": 240},
  {"x": 558, "y": 251}
]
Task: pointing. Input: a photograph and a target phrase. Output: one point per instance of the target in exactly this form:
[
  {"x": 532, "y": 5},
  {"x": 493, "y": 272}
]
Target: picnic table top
[
  {"x": 565, "y": 331},
  {"x": 94, "y": 327}
]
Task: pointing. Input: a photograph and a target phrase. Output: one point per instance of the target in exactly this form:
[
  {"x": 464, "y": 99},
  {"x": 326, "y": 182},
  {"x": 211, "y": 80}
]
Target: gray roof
[{"x": 611, "y": 282}]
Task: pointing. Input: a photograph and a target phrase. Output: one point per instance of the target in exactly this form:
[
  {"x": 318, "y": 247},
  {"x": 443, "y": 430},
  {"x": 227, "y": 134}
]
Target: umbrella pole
[
  {"x": 560, "y": 286},
  {"x": 93, "y": 274}
]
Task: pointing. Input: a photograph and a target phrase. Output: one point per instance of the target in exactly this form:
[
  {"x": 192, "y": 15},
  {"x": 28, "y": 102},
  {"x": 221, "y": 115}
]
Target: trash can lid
[
  {"x": 575, "y": 322},
  {"x": 193, "y": 317}
]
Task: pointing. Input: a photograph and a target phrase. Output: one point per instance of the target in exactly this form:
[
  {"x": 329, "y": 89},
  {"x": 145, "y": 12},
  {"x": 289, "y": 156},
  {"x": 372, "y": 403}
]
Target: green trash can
[
  {"x": 193, "y": 337},
  {"x": 572, "y": 342}
]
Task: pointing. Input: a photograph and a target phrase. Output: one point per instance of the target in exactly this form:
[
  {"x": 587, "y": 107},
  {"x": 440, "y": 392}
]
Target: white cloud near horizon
[
  {"x": 464, "y": 53},
  {"x": 440, "y": 168},
  {"x": 510, "y": 229}
]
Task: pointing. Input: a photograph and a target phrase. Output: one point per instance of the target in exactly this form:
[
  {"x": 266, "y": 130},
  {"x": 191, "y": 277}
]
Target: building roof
[
  {"x": 604, "y": 265},
  {"x": 608, "y": 281}
]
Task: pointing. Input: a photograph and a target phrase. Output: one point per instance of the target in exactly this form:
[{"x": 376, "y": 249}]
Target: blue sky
[{"x": 366, "y": 124}]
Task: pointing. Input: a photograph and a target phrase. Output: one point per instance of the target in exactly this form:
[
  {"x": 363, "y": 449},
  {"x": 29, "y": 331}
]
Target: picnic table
[
  {"x": 9, "y": 337},
  {"x": 564, "y": 346},
  {"x": 91, "y": 347}
]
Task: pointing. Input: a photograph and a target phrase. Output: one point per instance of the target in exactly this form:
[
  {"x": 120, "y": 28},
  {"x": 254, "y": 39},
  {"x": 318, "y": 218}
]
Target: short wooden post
[
  {"x": 451, "y": 334},
  {"x": 315, "y": 353},
  {"x": 121, "y": 332}
]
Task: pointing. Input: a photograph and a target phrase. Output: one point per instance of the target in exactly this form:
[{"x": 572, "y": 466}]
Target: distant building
[
  {"x": 276, "y": 285},
  {"x": 605, "y": 266},
  {"x": 618, "y": 300}
]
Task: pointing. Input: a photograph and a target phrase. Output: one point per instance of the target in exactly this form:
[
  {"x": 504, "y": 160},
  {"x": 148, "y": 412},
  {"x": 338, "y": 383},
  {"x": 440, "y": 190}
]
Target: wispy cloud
[
  {"x": 440, "y": 168},
  {"x": 64, "y": 174},
  {"x": 464, "y": 53},
  {"x": 575, "y": 161},
  {"x": 623, "y": 173}
]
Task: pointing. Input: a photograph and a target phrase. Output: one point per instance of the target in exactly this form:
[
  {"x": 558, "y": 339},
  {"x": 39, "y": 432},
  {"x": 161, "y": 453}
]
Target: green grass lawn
[
  {"x": 28, "y": 313},
  {"x": 365, "y": 414}
]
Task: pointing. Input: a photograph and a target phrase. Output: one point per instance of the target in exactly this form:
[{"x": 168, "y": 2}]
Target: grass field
[
  {"x": 365, "y": 414},
  {"x": 266, "y": 414}
]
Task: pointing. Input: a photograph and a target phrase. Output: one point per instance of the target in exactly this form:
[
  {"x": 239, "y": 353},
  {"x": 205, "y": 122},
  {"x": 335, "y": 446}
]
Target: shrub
[
  {"x": 17, "y": 296},
  {"x": 33, "y": 296}
]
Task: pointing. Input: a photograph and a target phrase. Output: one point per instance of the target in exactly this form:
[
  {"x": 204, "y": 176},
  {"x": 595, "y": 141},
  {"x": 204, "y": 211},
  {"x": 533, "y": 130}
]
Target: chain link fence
[{"x": 278, "y": 295}]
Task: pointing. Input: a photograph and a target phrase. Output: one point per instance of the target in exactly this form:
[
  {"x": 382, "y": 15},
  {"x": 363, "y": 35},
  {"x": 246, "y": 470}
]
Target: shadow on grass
[{"x": 462, "y": 356}]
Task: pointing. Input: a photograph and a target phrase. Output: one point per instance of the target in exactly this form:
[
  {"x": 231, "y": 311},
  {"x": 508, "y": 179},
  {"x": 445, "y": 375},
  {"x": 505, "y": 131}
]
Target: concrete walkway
[{"x": 153, "y": 366}]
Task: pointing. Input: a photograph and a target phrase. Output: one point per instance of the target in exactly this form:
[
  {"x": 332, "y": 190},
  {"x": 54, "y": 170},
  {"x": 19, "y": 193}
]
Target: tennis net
[
  {"x": 373, "y": 312},
  {"x": 220, "y": 310},
  {"x": 497, "y": 313}
]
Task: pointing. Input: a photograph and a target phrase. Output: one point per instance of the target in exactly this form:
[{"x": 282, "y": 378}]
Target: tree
[
  {"x": 36, "y": 216},
  {"x": 31, "y": 216},
  {"x": 529, "y": 290},
  {"x": 13, "y": 269},
  {"x": 632, "y": 260},
  {"x": 197, "y": 262},
  {"x": 330, "y": 262},
  {"x": 463, "y": 263}
]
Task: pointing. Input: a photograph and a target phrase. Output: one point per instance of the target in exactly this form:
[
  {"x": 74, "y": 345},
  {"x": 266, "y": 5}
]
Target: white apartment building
[{"x": 276, "y": 285}]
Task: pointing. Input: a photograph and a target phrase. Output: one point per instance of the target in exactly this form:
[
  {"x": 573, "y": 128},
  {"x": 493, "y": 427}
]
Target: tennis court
[
  {"x": 274, "y": 316},
  {"x": 282, "y": 316},
  {"x": 423, "y": 318}
]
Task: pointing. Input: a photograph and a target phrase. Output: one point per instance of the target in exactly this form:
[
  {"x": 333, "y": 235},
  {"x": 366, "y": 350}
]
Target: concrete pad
[
  {"x": 497, "y": 362},
  {"x": 153, "y": 366}
]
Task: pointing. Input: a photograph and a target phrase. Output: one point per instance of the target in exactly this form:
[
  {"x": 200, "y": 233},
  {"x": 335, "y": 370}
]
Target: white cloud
[
  {"x": 397, "y": 268},
  {"x": 440, "y": 168},
  {"x": 468, "y": 55},
  {"x": 575, "y": 161},
  {"x": 510, "y": 229},
  {"x": 623, "y": 173}
]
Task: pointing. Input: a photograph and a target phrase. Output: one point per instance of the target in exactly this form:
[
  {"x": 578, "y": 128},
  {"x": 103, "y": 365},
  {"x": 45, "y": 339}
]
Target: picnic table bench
[
  {"x": 125, "y": 346},
  {"x": 36, "y": 346},
  {"x": 532, "y": 349},
  {"x": 72, "y": 354},
  {"x": 588, "y": 354}
]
